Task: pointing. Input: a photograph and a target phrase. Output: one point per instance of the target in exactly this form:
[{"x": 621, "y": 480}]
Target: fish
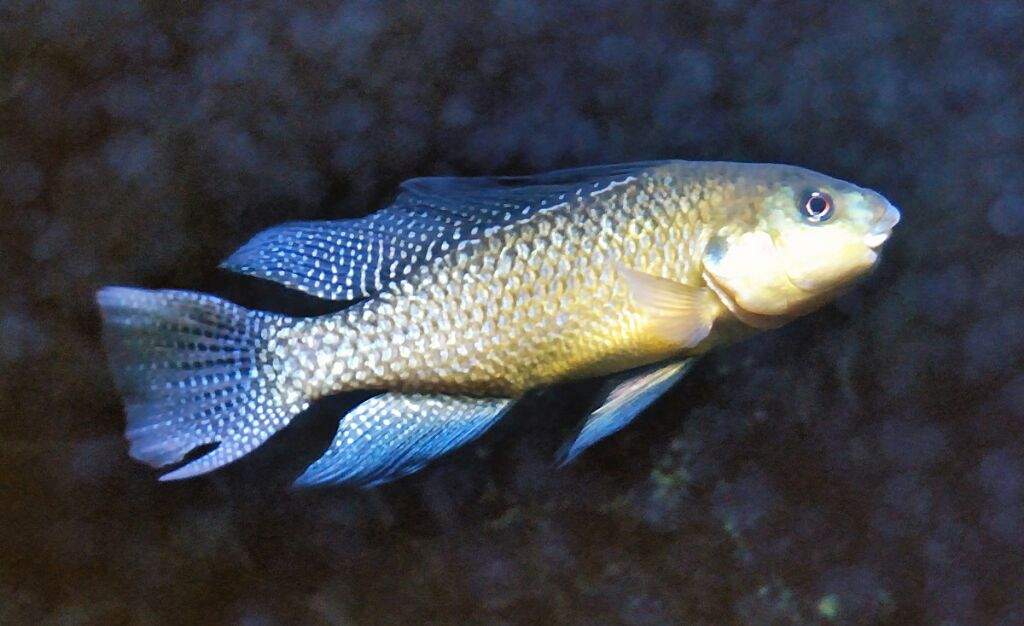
[{"x": 465, "y": 293}]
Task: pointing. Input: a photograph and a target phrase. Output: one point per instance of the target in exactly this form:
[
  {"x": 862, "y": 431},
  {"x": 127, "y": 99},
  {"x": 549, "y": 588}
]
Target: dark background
[{"x": 862, "y": 465}]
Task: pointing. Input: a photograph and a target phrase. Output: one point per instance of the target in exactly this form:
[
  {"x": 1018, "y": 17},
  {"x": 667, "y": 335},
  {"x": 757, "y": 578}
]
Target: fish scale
[
  {"x": 525, "y": 265},
  {"x": 474, "y": 291}
]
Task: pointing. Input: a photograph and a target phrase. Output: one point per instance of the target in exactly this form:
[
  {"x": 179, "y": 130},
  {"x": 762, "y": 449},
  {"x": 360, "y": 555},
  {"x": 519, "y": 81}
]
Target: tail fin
[{"x": 192, "y": 372}]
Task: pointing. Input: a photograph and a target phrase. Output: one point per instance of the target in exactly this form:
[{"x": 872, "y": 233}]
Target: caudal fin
[{"x": 192, "y": 372}]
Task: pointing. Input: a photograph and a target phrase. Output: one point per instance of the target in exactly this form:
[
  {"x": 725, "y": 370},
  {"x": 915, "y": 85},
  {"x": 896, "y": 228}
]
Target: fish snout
[{"x": 886, "y": 218}]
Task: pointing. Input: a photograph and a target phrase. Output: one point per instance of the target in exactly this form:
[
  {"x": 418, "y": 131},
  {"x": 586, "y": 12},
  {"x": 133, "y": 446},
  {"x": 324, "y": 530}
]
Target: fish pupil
[{"x": 817, "y": 206}]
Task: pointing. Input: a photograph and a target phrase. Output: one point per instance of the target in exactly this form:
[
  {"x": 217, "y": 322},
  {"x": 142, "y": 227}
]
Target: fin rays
[
  {"x": 622, "y": 402},
  {"x": 393, "y": 435},
  {"x": 187, "y": 365},
  {"x": 431, "y": 217}
]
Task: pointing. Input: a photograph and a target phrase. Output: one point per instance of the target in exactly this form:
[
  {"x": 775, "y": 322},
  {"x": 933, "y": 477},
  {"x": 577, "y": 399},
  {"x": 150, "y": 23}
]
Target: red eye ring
[{"x": 817, "y": 206}]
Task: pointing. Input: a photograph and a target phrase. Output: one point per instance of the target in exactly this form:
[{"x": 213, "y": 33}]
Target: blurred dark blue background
[{"x": 865, "y": 464}]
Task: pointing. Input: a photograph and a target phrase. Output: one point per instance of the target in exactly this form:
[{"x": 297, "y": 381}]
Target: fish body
[
  {"x": 477, "y": 290},
  {"x": 538, "y": 301}
]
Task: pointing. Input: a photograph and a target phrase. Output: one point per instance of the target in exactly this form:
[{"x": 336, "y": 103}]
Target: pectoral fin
[
  {"x": 393, "y": 435},
  {"x": 678, "y": 313},
  {"x": 623, "y": 401}
]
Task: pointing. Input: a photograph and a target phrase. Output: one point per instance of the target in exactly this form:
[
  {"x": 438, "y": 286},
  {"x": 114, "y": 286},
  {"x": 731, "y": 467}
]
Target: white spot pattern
[{"x": 356, "y": 258}]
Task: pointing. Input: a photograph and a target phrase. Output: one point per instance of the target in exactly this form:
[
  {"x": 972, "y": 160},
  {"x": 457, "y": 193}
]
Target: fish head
[{"x": 800, "y": 239}]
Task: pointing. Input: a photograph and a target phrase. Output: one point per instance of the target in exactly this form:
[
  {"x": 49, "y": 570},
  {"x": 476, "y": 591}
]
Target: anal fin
[
  {"x": 623, "y": 401},
  {"x": 393, "y": 435}
]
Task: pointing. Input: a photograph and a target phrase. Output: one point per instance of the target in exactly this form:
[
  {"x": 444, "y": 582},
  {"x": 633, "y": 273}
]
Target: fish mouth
[
  {"x": 882, "y": 229},
  {"x": 874, "y": 240}
]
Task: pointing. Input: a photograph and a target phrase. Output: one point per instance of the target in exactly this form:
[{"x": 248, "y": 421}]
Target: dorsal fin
[
  {"x": 492, "y": 196},
  {"x": 356, "y": 258}
]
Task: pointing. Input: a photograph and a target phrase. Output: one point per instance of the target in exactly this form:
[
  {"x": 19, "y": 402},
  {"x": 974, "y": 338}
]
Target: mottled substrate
[{"x": 865, "y": 464}]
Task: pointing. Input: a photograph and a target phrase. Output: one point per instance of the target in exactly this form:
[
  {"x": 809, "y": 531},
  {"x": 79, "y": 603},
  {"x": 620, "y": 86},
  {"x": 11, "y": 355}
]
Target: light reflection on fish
[{"x": 473, "y": 291}]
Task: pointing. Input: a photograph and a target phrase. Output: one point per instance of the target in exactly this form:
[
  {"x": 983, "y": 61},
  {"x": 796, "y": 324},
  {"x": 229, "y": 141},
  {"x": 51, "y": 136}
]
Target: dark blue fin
[
  {"x": 500, "y": 199},
  {"x": 350, "y": 259},
  {"x": 623, "y": 401},
  {"x": 189, "y": 368},
  {"x": 393, "y": 435}
]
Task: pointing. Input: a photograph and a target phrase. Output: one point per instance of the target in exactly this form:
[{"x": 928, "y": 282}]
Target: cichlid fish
[{"x": 472, "y": 291}]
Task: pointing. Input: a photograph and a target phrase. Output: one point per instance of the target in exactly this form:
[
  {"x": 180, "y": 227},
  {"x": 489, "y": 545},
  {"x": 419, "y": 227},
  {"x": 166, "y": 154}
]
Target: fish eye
[{"x": 817, "y": 206}]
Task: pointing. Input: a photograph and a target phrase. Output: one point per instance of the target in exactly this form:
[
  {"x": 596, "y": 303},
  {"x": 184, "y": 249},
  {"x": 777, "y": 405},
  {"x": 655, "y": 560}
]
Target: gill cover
[{"x": 747, "y": 273}]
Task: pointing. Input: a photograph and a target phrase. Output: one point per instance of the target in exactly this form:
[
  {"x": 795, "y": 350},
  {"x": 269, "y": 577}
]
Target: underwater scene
[{"x": 627, "y": 347}]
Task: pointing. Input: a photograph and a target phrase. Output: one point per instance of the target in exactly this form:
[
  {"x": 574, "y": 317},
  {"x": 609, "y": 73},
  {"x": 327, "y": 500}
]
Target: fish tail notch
[{"x": 193, "y": 370}]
